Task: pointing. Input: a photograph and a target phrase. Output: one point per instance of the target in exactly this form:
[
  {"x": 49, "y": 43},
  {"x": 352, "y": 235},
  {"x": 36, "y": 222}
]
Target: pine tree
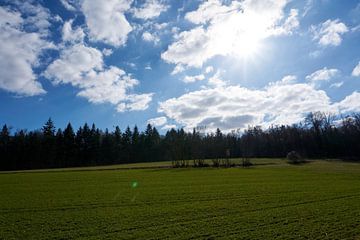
[
  {"x": 49, "y": 128},
  {"x": 69, "y": 146},
  {"x": 135, "y": 145},
  {"x": 126, "y": 139},
  {"x": 4, "y": 148},
  {"x": 59, "y": 140},
  {"x": 49, "y": 147}
]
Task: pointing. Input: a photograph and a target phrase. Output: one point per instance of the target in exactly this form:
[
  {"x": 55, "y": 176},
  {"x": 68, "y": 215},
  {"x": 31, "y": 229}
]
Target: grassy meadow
[{"x": 270, "y": 200}]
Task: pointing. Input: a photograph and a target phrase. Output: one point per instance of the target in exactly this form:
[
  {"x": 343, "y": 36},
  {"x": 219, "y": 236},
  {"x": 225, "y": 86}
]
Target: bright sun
[
  {"x": 247, "y": 46},
  {"x": 241, "y": 35}
]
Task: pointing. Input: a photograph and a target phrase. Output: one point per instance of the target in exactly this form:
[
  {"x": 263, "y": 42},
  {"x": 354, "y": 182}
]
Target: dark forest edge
[{"x": 320, "y": 135}]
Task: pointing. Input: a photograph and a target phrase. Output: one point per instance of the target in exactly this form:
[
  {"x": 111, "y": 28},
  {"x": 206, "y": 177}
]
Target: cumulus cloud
[
  {"x": 150, "y": 9},
  {"x": 216, "y": 80},
  {"x": 191, "y": 48},
  {"x": 356, "y": 71},
  {"x": 69, "y": 4},
  {"x": 169, "y": 126},
  {"x": 350, "y": 103},
  {"x": 235, "y": 107},
  {"x": 291, "y": 23},
  {"x": 72, "y": 35},
  {"x": 324, "y": 74},
  {"x": 329, "y": 33},
  {"x": 36, "y": 17},
  {"x": 150, "y": 37},
  {"x": 107, "y": 22},
  {"x": 157, "y": 122},
  {"x": 209, "y": 69},
  {"x": 211, "y": 9},
  {"x": 107, "y": 51},
  {"x": 178, "y": 69},
  {"x": 23, "y": 40},
  {"x": 191, "y": 79},
  {"x": 234, "y": 29},
  {"x": 83, "y": 67},
  {"x": 288, "y": 79},
  {"x": 138, "y": 102}
]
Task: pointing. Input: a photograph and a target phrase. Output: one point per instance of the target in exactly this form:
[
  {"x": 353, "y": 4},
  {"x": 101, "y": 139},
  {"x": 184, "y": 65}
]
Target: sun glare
[
  {"x": 248, "y": 46},
  {"x": 246, "y": 34}
]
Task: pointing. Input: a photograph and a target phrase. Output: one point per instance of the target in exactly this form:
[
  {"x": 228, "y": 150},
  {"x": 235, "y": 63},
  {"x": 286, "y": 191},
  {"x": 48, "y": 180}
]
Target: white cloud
[
  {"x": 286, "y": 80},
  {"x": 236, "y": 107},
  {"x": 74, "y": 63},
  {"x": 150, "y": 9},
  {"x": 36, "y": 17},
  {"x": 350, "y": 103},
  {"x": 290, "y": 24},
  {"x": 234, "y": 29},
  {"x": 356, "y": 71},
  {"x": 308, "y": 7},
  {"x": 69, "y": 4},
  {"x": 191, "y": 48},
  {"x": 72, "y": 35},
  {"x": 57, "y": 18},
  {"x": 324, "y": 74},
  {"x": 149, "y": 37},
  {"x": 329, "y": 33},
  {"x": 289, "y": 79},
  {"x": 216, "y": 80},
  {"x": 211, "y": 9},
  {"x": 356, "y": 28},
  {"x": 107, "y": 51},
  {"x": 107, "y": 22},
  {"x": 209, "y": 69},
  {"x": 336, "y": 85},
  {"x": 191, "y": 79},
  {"x": 22, "y": 43},
  {"x": 159, "y": 121},
  {"x": 10, "y": 18},
  {"x": 139, "y": 102},
  {"x": 315, "y": 54},
  {"x": 169, "y": 126},
  {"x": 83, "y": 67},
  {"x": 178, "y": 69},
  {"x": 131, "y": 64},
  {"x": 160, "y": 26}
]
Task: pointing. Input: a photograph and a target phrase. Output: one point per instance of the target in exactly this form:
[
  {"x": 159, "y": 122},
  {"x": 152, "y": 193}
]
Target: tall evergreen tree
[
  {"x": 126, "y": 141},
  {"x": 49, "y": 151},
  {"x": 70, "y": 152},
  {"x": 5, "y": 147},
  {"x": 49, "y": 128}
]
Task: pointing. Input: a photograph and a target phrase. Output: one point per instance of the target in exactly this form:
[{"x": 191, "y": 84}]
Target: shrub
[
  {"x": 216, "y": 162},
  {"x": 199, "y": 162},
  {"x": 246, "y": 162},
  {"x": 294, "y": 157}
]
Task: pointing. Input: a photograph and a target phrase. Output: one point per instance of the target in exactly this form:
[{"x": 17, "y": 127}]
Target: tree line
[{"x": 320, "y": 135}]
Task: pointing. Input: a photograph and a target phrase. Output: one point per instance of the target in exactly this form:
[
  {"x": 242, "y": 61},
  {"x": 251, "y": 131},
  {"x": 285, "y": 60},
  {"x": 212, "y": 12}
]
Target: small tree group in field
[
  {"x": 200, "y": 162},
  {"x": 246, "y": 162},
  {"x": 294, "y": 157},
  {"x": 223, "y": 162}
]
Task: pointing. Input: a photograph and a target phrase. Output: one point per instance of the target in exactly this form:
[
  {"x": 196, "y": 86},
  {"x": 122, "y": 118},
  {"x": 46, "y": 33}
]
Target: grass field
[{"x": 318, "y": 200}]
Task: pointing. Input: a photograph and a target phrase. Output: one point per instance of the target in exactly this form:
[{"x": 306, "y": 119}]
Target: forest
[{"x": 319, "y": 135}]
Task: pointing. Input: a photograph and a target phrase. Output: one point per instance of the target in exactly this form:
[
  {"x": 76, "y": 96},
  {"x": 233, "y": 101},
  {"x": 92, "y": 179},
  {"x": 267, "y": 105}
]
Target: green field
[{"x": 274, "y": 200}]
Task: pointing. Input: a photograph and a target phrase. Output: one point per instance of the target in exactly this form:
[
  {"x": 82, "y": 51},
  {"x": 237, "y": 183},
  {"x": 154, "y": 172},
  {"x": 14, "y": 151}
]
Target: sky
[{"x": 177, "y": 64}]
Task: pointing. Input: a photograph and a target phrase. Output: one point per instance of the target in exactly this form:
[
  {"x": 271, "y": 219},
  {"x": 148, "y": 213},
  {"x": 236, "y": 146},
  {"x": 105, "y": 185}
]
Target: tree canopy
[{"x": 318, "y": 136}]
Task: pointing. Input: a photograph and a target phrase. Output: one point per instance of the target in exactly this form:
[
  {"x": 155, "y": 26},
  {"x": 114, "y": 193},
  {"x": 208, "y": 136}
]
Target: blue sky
[{"x": 226, "y": 64}]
